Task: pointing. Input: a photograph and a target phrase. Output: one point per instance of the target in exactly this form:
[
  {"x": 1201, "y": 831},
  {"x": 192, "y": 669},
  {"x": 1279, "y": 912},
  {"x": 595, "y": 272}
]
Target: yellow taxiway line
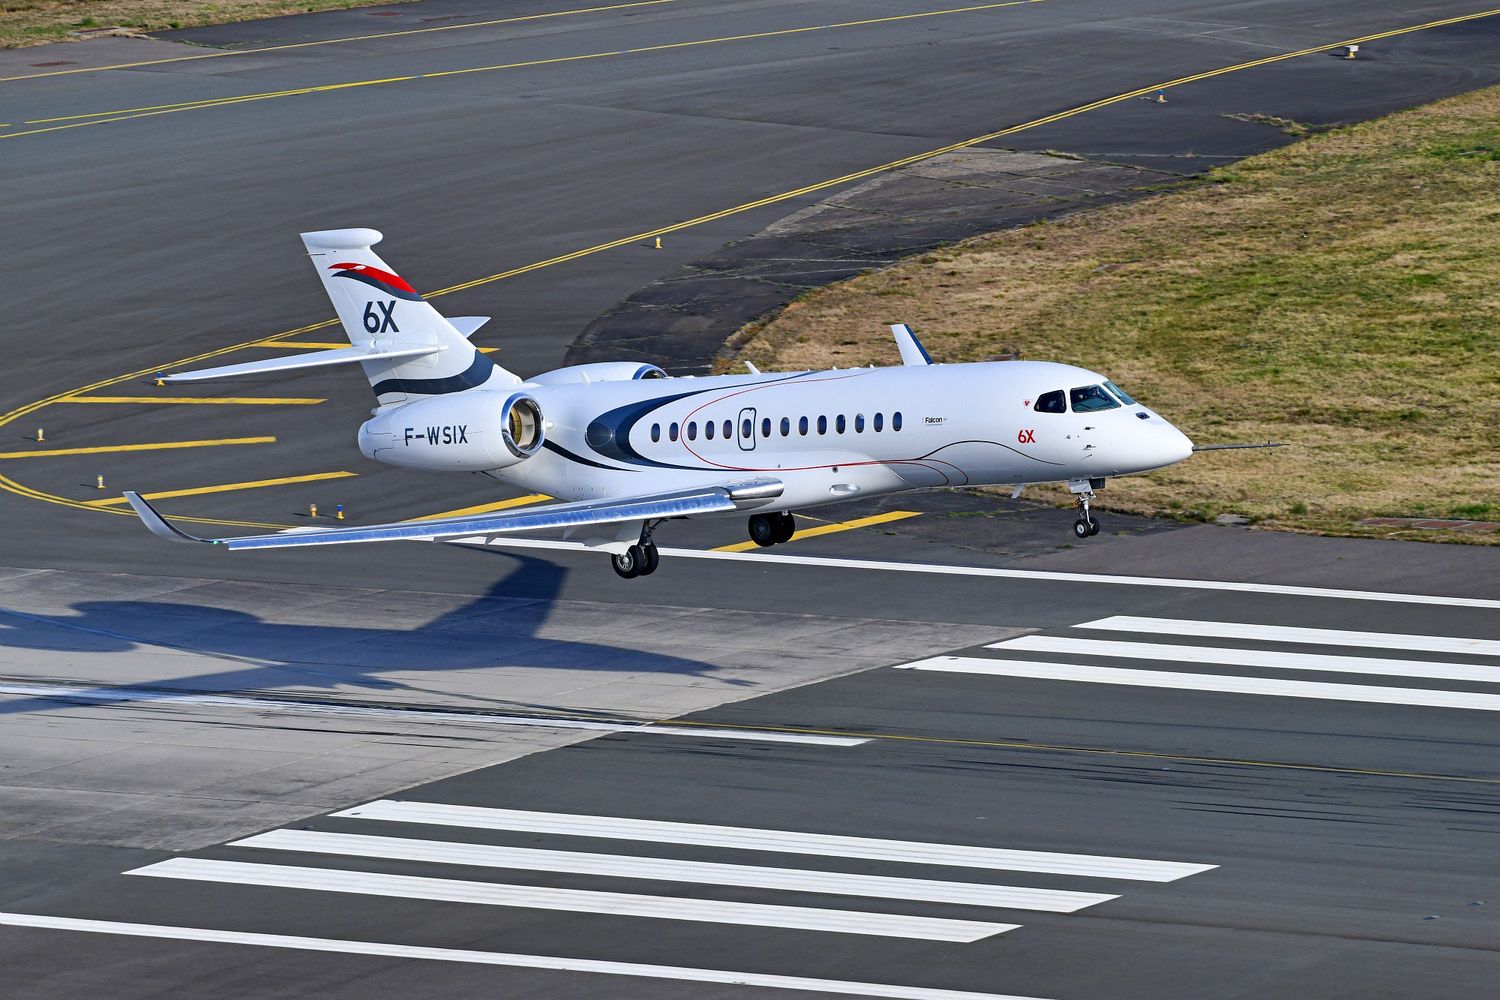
[
  {"x": 338, "y": 41},
  {"x": 829, "y": 529},
  {"x": 484, "y": 508},
  {"x": 60, "y": 122},
  {"x": 201, "y": 400},
  {"x": 159, "y": 446},
  {"x": 227, "y": 488}
]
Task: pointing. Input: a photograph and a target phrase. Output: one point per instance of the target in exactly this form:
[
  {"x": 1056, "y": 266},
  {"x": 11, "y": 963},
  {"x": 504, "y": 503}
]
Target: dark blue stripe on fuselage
[
  {"x": 553, "y": 446},
  {"x": 475, "y": 375},
  {"x": 376, "y": 283}
]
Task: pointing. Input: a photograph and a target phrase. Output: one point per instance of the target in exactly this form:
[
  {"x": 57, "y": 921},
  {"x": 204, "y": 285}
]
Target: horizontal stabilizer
[
  {"x": 317, "y": 359},
  {"x": 467, "y": 326},
  {"x": 740, "y": 495},
  {"x": 912, "y": 351}
]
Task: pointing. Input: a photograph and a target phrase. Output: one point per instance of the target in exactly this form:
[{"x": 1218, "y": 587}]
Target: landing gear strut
[
  {"x": 770, "y": 529},
  {"x": 1085, "y": 526},
  {"x": 641, "y": 559}
]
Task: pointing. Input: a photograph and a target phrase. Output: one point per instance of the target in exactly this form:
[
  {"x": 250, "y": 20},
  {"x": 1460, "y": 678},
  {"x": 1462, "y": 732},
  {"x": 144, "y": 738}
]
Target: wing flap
[{"x": 683, "y": 503}]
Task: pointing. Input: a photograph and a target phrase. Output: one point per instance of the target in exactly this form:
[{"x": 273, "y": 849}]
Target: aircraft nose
[{"x": 1176, "y": 444}]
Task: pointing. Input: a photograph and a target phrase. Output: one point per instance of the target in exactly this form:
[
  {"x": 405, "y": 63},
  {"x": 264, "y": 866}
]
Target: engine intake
[{"x": 522, "y": 420}]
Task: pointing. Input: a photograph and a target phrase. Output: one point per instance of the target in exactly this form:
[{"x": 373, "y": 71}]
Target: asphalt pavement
[{"x": 930, "y": 745}]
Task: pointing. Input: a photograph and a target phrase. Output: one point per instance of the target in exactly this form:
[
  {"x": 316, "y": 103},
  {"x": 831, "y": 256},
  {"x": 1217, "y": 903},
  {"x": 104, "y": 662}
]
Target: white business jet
[{"x": 627, "y": 447}]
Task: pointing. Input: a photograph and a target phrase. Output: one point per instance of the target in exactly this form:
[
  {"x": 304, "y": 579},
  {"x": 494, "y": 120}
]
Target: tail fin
[{"x": 379, "y": 309}]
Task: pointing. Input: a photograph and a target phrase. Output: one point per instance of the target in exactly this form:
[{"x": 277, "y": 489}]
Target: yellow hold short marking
[
  {"x": 485, "y": 508},
  {"x": 829, "y": 529},
  {"x": 201, "y": 401},
  {"x": 228, "y": 487},
  {"x": 112, "y": 448}
]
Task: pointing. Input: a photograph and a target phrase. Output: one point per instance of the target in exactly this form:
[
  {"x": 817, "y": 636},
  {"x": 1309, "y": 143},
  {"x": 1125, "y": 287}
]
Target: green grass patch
[{"x": 1341, "y": 294}]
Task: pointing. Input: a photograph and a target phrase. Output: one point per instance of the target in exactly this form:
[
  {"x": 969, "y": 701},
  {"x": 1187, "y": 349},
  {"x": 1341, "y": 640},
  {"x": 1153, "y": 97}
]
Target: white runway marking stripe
[
  {"x": 106, "y": 695},
  {"x": 1038, "y": 671},
  {"x": 667, "y": 870},
  {"x": 998, "y": 573},
  {"x": 778, "y": 841},
  {"x": 383, "y": 950},
  {"x": 1252, "y": 658},
  {"x": 574, "y": 900},
  {"x": 1310, "y": 636}
]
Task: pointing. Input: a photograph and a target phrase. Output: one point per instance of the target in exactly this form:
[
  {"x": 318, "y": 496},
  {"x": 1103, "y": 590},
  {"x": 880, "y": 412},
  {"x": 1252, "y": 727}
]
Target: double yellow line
[
  {"x": 21, "y": 411},
  {"x": 226, "y": 53},
  {"x": 150, "y": 111}
]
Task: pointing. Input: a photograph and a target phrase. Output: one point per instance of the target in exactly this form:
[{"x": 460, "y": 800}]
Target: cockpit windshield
[
  {"x": 1120, "y": 394},
  {"x": 1090, "y": 399}
]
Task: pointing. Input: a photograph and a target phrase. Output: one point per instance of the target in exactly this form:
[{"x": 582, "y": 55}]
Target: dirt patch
[{"x": 34, "y": 22}]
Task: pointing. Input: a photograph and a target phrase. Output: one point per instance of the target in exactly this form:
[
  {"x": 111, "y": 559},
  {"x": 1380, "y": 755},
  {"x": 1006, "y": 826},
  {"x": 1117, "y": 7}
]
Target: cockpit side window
[
  {"x": 1091, "y": 398},
  {"x": 1120, "y": 394},
  {"x": 1051, "y": 402}
]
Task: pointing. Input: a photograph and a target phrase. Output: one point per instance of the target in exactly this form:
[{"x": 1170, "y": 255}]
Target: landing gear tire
[
  {"x": 764, "y": 530},
  {"x": 652, "y": 558},
  {"x": 1085, "y": 526},
  {"x": 786, "y": 527},
  {"x": 631, "y": 563}
]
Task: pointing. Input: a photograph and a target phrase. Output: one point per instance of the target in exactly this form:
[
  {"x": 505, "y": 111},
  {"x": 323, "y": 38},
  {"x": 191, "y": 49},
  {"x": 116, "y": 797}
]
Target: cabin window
[
  {"x": 765, "y": 427},
  {"x": 802, "y": 427},
  {"x": 747, "y": 429},
  {"x": 656, "y": 432},
  {"x": 672, "y": 432},
  {"x": 1120, "y": 394},
  {"x": 879, "y": 422},
  {"x": 708, "y": 429},
  {"x": 822, "y": 425},
  {"x": 859, "y": 423},
  {"x": 1091, "y": 399},
  {"x": 896, "y": 421},
  {"x": 729, "y": 430},
  {"x": 786, "y": 426},
  {"x": 692, "y": 430},
  {"x": 1051, "y": 402},
  {"x": 839, "y": 423}
]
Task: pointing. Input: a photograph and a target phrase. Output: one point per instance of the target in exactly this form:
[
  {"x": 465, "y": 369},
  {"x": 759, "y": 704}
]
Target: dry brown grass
[
  {"x": 1341, "y": 294},
  {"x": 32, "y": 22}
]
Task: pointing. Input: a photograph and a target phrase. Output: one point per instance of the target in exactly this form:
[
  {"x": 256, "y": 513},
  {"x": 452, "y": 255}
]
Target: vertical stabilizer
[{"x": 379, "y": 309}]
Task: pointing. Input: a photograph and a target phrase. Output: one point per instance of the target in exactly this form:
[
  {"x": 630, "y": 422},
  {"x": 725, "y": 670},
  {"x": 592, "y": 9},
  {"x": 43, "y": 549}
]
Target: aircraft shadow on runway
[{"x": 492, "y": 631}]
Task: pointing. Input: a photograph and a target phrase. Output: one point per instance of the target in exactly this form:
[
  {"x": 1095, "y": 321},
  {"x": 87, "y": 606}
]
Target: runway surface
[{"x": 927, "y": 746}]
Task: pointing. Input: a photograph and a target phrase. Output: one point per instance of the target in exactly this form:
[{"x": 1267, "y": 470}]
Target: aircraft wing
[{"x": 728, "y": 497}]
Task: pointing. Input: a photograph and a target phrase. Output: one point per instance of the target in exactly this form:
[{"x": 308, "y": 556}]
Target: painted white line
[
  {"x": 510, "y": 960},
  {"x": 667, "y": 870},
  {"x": 776, "y": 841},
  {"x": 78, "y": 692},
  {"x": 1378, "y": 666},
  {"x": 1036, "y": 670},
  {"x": 1287, "y": 633},
  {"x": 711, "y": 911},
  {"x": 1013, "y": 574}
]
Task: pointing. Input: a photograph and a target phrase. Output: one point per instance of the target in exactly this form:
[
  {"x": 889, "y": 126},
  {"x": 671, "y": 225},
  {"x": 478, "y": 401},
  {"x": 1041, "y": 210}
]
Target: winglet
[
  {"x": 157, "y": 523},
  {"x": 912, "y": 351}
]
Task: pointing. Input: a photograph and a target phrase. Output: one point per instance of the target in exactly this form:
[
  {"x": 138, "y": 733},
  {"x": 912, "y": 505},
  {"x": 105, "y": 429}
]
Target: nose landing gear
[
  {"x": 1085, "y": 526},
  {"x": 772, "y": 529}
]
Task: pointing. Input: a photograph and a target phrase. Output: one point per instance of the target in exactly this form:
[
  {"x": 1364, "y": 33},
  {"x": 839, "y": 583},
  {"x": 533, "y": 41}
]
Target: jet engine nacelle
[
  {"x": 473, "y": 431},
  {"x": 600, "y": 371}
]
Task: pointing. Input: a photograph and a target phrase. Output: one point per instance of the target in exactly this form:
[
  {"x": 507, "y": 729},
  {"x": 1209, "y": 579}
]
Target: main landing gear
[
  {"x": 771, "y": 529},
  {"x": 641, "y": 559},
  {"x": 1085, "y": 526}
]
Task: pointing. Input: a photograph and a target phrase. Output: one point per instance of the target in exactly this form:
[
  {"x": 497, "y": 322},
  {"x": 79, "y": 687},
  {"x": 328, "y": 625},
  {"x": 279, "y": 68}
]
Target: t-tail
[{"x": 408, "y": 350}]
